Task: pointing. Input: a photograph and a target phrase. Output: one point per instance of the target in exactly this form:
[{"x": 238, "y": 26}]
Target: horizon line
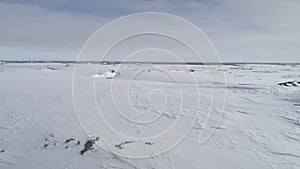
[{"x": 144, "y": 62}]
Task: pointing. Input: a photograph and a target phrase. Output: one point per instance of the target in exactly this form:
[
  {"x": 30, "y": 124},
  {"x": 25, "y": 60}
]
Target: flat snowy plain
[{"x": 259, "y": 128}]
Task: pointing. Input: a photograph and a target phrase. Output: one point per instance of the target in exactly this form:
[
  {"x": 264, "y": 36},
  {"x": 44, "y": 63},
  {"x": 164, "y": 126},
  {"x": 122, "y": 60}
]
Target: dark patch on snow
[
  {"x": 51, "y": 142},
  {"x": 263, "y": 71},
  {"x": 149, "y": 143},
  {"x": 69, "y": 140},
  {"x": 71, "y": 143},
  {"x": 50, "y": 68},
  {"x": 191, "y": 70},
  {"x": 89, "y": 145},
  {"x": 48, "y": 140},
  {"x": 121, "y": 145},
  {"x": 241, "y": 68},
  {"x": 289, "y": 83}
]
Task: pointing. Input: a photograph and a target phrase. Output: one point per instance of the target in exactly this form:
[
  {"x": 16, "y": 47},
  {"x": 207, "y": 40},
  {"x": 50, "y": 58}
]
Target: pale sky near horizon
[{"x": 241, "y": 30}]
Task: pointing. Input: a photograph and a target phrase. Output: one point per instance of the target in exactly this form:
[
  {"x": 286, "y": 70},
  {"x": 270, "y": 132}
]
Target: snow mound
[{"x": 108, "y": 74}]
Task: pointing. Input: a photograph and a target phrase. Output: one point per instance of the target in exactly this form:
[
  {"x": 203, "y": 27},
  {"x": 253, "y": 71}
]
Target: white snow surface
[{"x": 260, "y": 126}]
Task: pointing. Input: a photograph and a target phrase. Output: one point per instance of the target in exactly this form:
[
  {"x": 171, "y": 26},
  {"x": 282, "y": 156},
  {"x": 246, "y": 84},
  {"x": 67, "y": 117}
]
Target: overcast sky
[{"x": 241, "y": 30}]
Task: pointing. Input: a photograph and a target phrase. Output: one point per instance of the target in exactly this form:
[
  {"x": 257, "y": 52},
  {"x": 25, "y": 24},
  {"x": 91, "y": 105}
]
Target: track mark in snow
[
  {"x": 242, "y": 112},
  {"x": 291, "y": 136},
  {"x": 286, "y": 154},
  {"x": 5, "y": 162},
  {"x": 219, "y": 127},
  {"x": 293, "y": 121},
  {"x": 123, "y": 161},
  {"x": 111, "y": 167}
]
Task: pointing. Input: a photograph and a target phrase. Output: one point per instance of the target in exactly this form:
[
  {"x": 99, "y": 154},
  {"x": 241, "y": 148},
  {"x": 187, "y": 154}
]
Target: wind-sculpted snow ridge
[{"x": 260, "y": 126}]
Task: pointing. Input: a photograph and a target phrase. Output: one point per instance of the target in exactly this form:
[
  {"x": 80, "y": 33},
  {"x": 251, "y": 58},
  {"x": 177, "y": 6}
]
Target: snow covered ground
[{"x": 259, "y": 128}]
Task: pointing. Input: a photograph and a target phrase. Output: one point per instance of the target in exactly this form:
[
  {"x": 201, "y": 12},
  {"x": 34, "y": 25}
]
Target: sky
[{"x": 241, "y": 30}]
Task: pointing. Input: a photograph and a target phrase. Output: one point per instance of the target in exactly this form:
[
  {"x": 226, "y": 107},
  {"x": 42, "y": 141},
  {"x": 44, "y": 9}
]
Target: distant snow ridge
[
  {"x": 108, "y": 74},
  {"x": 53, "y": 67}
]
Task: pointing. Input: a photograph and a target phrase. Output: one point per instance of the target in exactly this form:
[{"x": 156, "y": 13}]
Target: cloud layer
[{"x": 245, "y": 30}]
